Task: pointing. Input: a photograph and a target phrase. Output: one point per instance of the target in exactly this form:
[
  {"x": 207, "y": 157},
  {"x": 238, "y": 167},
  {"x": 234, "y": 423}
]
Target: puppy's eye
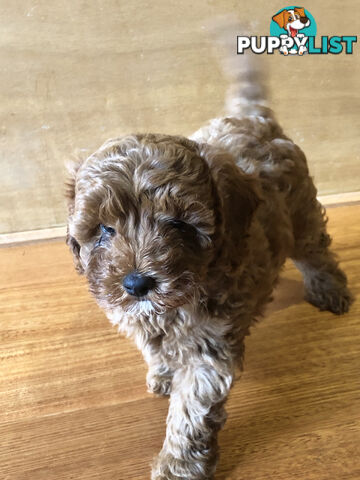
[
  {"x": 190, "y": 234},
  {"x": 105, "y": 234},
  {"x": 107, "y": 230},
  {"x": 181, "y": 226},
  {"x": 290, "y": 19}
]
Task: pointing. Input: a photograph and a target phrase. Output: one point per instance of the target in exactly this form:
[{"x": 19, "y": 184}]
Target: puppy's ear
[
  {"x": 75, "y": 250},
  {"x": 237, "y": 194},
  {"x": 280, "y": 18},
  {"x": 72, "y": 168},
  {"x": 300, "y": 11}
]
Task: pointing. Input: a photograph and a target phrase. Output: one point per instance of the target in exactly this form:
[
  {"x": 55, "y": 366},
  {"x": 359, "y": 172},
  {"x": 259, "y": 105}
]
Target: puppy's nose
[
  {"x": 304, "y": 20},
  {"x": 137, "y": 284}
]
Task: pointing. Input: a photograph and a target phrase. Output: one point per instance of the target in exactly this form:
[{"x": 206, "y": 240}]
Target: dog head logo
[
  {"x": 292, "y": 20},
  {"x": 293, "y": 25}
]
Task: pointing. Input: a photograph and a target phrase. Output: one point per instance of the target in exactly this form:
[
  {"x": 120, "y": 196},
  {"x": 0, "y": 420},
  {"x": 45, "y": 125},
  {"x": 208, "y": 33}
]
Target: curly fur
[{"x": 243, "y": 191}]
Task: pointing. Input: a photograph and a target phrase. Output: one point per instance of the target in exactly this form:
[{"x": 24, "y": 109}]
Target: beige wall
[{"x": 74, "y": 73}]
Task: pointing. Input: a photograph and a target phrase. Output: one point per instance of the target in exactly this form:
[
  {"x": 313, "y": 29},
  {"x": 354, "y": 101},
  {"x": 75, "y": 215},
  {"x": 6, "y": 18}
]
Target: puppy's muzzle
[
  {"x": 304, "y": 20},
  {"x": 137, "y": 284}
]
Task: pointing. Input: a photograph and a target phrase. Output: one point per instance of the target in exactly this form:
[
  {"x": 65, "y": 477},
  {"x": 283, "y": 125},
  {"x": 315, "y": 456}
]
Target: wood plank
[{"x": 73, "y": 402}]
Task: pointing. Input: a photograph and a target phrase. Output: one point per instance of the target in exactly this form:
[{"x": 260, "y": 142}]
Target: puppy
[
  {"x": 292, "y": 21},
  {"x": 182, "y": 241}
]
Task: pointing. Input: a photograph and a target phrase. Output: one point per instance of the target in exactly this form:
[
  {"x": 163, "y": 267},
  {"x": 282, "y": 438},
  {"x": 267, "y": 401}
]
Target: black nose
[
  {"x": 304, "y": 20},
  {"x": 137, "y": 284}
]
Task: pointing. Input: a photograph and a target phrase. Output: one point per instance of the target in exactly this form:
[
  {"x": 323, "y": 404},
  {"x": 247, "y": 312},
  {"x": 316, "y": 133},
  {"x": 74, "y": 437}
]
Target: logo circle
[{"x": 276, "y": 30}]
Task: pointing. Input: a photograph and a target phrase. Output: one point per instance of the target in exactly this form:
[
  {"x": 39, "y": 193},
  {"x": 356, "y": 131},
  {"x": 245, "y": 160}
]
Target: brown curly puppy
[{"x": 182, "y": 242}]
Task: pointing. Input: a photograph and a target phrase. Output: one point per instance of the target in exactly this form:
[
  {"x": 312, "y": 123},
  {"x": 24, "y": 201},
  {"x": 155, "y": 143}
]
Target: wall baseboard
[
  {"x": 56, "y": 233},
  {"x": 339, "y": 198}
]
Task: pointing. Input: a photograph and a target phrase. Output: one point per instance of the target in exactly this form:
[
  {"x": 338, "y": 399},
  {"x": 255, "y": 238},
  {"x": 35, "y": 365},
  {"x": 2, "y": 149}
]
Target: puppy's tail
[{"x": 247, "y": 92}]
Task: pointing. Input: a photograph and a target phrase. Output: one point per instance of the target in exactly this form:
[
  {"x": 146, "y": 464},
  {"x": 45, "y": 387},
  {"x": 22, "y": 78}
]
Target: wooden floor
[{"x": 73, "y": 402}]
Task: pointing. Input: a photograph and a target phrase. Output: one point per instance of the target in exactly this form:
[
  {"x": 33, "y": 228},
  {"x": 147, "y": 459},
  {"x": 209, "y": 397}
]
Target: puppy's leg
[
  {"x": 196, "y": 413},
  {"x": 159, "y": 379},
  {"x": 325, "y": 283},
  {"x": 160, "y": 374}
]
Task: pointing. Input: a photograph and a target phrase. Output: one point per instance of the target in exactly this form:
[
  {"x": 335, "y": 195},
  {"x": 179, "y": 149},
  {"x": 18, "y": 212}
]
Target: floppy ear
[
  {"x": 280, "y": 18},
  {"x": 300, "y": 11},
  {"x": 237, "y": 193},
  {"x": 72, "y": 169},
  {"x": 75, "y": 250}
]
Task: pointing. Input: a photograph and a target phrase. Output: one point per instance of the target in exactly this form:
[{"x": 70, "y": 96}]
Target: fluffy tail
[{"x": 247, "y": 93}]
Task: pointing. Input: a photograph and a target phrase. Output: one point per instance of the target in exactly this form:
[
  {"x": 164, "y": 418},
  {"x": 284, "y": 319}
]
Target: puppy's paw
[
  {"x": 167, "y": 467},
  {"x": 165, "y": 476},
  {"x": 157, "y": 383},
  {"x": 329, "y": 292},
  {"x": 162, "y": 466}
]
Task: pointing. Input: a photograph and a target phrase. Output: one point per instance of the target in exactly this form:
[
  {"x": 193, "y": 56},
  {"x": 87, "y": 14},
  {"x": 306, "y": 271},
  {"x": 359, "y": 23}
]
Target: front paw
[
  {"x": 162, "y": 466},
  {"x": 159, "y": 384},
  {"x": 167, "y": 467}
]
